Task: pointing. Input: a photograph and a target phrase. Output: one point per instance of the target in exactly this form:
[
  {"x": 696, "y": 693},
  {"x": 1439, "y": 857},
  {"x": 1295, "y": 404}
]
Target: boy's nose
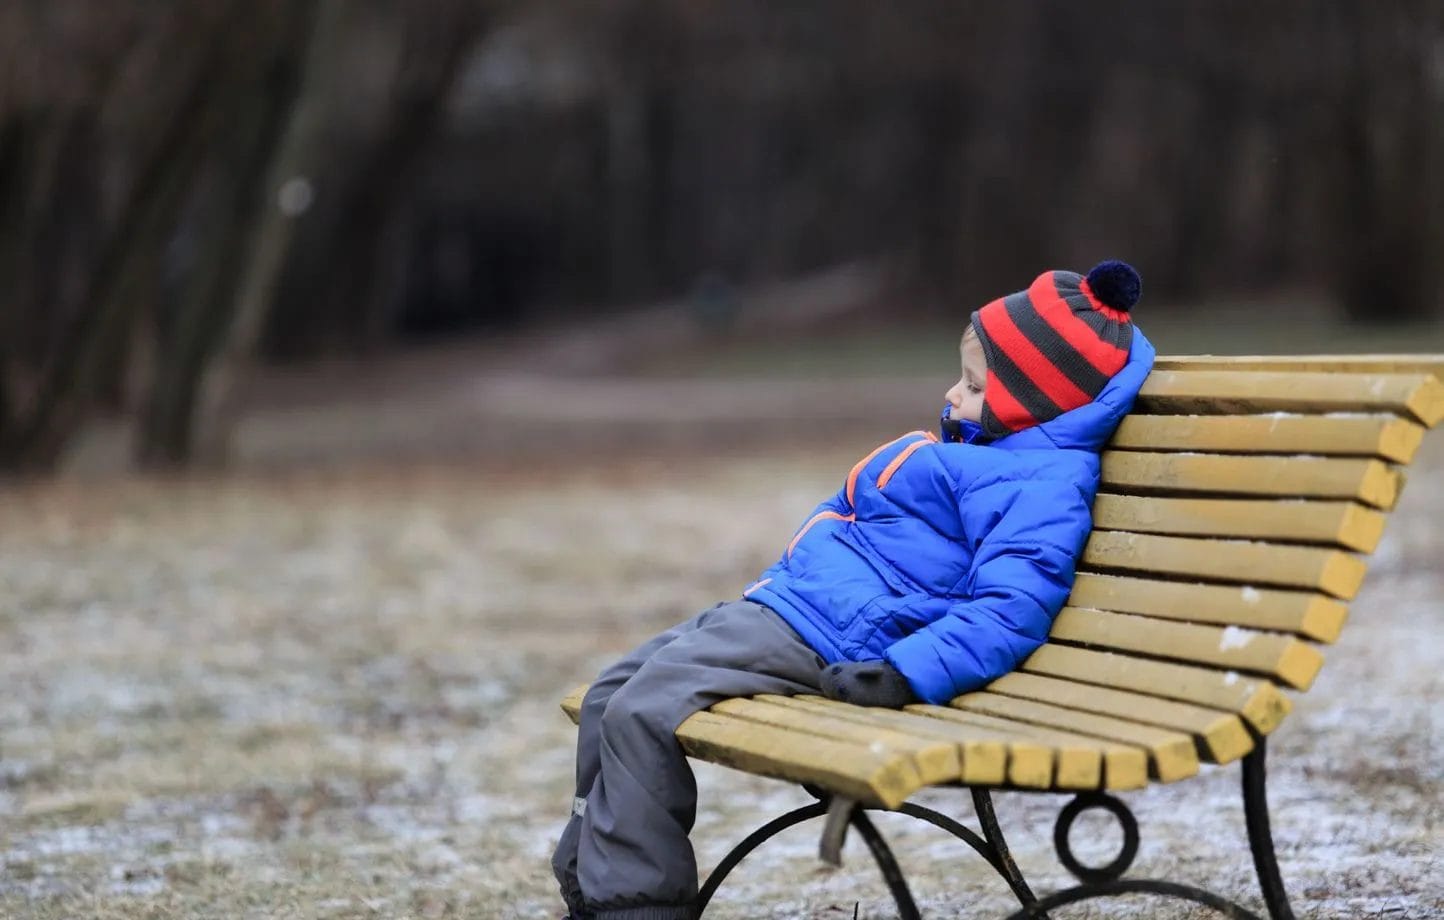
[{"x": 954, "y": 396}]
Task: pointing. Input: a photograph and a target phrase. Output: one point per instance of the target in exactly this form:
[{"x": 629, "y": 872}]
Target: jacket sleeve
[{"x": 1026, "y": 537}]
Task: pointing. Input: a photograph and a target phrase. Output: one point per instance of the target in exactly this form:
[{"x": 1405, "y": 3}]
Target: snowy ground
[{"x": 335, "y": 695}]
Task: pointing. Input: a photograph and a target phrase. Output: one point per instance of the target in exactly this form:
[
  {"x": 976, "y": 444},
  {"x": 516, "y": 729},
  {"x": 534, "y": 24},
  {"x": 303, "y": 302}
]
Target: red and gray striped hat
[{"x": 1054, "y": 346}]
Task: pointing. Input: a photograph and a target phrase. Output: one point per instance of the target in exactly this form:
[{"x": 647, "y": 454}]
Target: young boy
[{"x": 936, "y": 568}]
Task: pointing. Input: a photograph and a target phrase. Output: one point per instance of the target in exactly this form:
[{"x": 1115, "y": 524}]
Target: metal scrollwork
[
  {"x": 842, "y": 813},
  {"x": 1120, "y": 863},
  {"x": 1094, "y": 881}
]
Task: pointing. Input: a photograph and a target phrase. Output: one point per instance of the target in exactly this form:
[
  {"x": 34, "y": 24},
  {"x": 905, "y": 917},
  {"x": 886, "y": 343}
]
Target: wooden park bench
[{"x": 1237, "y": 503}]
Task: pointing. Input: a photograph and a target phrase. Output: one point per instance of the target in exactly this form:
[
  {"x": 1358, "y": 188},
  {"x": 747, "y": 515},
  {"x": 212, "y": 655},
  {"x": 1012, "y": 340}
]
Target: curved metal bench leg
[
  {"x": 1107, "y": 881},
  {"x": 1117, "y": 887},
  {"x": 751, "y": 842},
  {"x": 943, "y": 822},
  {"x": 986, "y": 849},
  {"x": 891, "y": 873},
  {"x": 881, "y": 853},
  {"x": 1260, "y": 837},
  {"x": 1007, "y": 868},
  {"x": 994, "y": 848}
]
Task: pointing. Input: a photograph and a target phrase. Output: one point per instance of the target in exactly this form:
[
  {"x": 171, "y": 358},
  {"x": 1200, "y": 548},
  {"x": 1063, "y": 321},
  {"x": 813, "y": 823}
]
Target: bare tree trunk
[
  {"x": 428, "y": 73},
  {"x": 1432, "y": 123},
  {"x": 270, "y": 238},
  {"x": 68, "y": 383},
  {"x": 1385, "y": 139},
  {"x": 259, "y": 106},
  {"x": 48, "y": 212},
  {"x": 627, "y": 173},
  {"x": 12, "y": 191}
]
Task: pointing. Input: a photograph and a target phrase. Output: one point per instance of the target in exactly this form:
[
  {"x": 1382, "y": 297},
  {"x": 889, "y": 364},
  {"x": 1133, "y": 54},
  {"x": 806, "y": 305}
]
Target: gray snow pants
[{"x": 624, "y": 855}]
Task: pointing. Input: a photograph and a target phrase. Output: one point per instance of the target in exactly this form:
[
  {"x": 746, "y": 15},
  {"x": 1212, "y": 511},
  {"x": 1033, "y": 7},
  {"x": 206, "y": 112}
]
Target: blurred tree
[
  {"x": 60, "y": 384},
  {"x": 433, "y": 48},
  {"x": 277, "y": 53},
  {"x": 472, "y": 162},
  {"x": 1388, "y": 143}
]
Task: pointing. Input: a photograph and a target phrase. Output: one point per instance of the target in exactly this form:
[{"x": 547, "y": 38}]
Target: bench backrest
[
  {"x": 1237, "y": 501},
  {"x": 1236, "y": 504}
]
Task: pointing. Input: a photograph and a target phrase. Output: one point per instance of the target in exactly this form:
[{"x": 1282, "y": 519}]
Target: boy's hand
[{"x": 867, "y": 683}]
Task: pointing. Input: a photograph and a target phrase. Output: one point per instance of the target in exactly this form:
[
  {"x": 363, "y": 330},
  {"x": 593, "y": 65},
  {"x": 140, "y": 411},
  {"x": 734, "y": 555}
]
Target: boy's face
[{"x": 966, "y": 396}]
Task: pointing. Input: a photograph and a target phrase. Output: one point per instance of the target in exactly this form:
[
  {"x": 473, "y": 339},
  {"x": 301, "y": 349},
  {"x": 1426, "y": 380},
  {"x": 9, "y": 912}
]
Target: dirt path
[{"x": 510, "y": 397}]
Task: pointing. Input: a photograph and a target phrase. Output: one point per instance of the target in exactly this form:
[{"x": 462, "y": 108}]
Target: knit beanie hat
[{"x": 1055, "y": 346}]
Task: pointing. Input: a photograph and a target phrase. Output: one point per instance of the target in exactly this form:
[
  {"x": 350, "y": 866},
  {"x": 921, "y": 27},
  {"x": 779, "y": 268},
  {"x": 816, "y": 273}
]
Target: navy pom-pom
[{"x": 1115, "y": 284}]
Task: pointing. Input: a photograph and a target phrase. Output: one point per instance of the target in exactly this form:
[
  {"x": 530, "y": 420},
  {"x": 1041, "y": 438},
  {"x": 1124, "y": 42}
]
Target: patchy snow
[
  {"x": 1251, "y": 595},
  {"x": 1235, "y": 637},
  {"x": 338, "y": 696}
]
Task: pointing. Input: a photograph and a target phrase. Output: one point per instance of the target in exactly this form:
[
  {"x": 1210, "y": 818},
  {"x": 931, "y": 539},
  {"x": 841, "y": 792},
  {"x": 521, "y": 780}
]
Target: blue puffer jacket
[{"x": 951, "y": 560}]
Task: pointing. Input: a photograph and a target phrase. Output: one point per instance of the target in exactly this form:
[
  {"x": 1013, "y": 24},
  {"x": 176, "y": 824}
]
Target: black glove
[{"x": 867, "y": 683}]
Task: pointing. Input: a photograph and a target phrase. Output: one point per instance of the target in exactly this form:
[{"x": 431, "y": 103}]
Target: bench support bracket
[
  {"x": 842, "y": 813},
  {"x": 1095, "y": 882},
  {"x": 1107, "y": 881},
  {"x": 834, "y": 832},
  {"x": 1260, "y": 837}
]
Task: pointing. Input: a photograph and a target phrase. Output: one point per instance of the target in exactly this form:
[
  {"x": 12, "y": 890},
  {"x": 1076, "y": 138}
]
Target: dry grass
[{"x": 335, "y": 696}]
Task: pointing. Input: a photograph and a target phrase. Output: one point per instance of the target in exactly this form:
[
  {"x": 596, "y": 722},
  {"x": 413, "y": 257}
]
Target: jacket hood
[{"x": 1089, "y": 426}]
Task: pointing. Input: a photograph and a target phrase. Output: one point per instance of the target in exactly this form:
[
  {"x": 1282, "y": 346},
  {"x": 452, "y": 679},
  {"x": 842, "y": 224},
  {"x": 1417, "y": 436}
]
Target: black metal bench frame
[{"x": 1100, "y": 882}]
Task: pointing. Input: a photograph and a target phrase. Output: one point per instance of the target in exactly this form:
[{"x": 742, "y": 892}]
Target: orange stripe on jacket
[
  {"x": 819, "y": 516},
  {"x": 857, "y": 468},
  {"x": 928, "y": 438},
  {"x": 755, "y": 585},
  {"x": 898, "y": 461}
]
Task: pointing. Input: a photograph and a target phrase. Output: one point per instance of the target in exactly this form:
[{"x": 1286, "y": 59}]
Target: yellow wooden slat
[
  {"x": 1346, "y": 524},
  {"x": 1260, "y": 703},
  {"x": 865, "y": 772},
  {"x": 857, "y": 771},
  {"x": 984, "y": 758},
  {"x": 1229, "y": 392},
  {"x": 1334, "y": 572},
  {"x": 1220, "y": 735},
  {"x": 1171, "y": 754},
  {"x": 1078, "y": 763},
  {"x": 1386, "y": 436},
  {"x": 1276, "y": 655},
  {"x": 1307, "y": 613},
  {"x": 1368, "y": 481},
  {"x": 1077, "y": 760},
  {"x": 572, "y": 703},
  {"x": 1353, "y": 364},
  {"x": 1030, "y": 764},
  {"x": 935, "y": 761}
]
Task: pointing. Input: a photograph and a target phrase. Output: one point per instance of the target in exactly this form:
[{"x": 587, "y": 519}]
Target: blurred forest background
[
  {"x": 191, "y": 190},
  {"x": 521, "y": 331}
]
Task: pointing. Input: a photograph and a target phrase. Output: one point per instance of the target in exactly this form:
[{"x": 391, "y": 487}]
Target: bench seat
[{"x": 1237, "y": 503}]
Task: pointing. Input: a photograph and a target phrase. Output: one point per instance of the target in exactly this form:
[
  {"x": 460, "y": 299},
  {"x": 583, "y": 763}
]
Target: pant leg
[
  {"x": 594, "y": 703},
  {"x": 589, "y": 726},
  {"x": 634, "y": 859}
]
